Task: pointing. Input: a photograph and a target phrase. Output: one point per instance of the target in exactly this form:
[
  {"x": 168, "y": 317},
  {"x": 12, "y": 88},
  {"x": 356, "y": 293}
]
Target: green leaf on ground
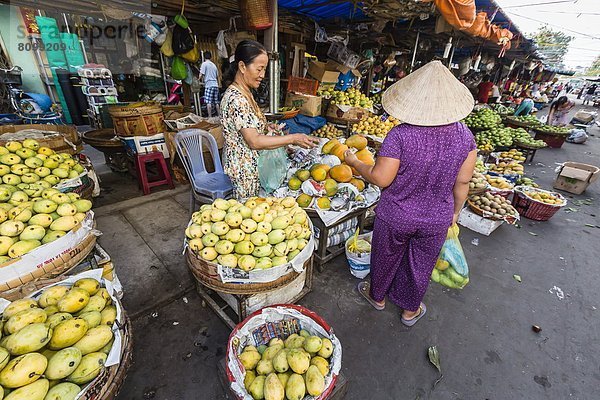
[
  {"x": 533, "y": 234},
  {"x": 517, "y": 278},
  {"x": 434, "y": 357}
]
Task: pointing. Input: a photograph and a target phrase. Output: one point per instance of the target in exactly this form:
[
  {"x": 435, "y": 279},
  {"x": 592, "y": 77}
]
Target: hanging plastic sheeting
[
  {"x": 463, "y": 15},
  {"x": 319, "y": 9}
]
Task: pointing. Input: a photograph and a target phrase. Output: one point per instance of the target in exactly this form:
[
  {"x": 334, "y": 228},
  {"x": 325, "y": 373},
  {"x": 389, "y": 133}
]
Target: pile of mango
[
  {"x": 544, "y": 197},
  {"x": 507, "y": 168},
  {"x": 54, "y": 345},
  {"x": 483, "y": 119},
  {"x": 287, "y": 370},
  {"x": 499, "y": 182}
]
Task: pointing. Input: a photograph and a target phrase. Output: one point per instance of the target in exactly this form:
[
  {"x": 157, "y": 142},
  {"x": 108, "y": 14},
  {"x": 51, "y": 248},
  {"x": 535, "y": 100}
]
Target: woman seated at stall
[
  {"x": 244, "y": 124},
  {"x": 526, "y": 105}
]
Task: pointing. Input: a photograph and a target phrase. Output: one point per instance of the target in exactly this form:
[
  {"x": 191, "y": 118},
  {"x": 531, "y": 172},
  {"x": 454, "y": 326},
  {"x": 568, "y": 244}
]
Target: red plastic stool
[{"x": 164, "y": 176}]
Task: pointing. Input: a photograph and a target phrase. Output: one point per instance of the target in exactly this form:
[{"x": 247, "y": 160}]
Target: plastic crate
[
  {"x": 146, "y": 144},
  {"x": 302, "y": 85}
]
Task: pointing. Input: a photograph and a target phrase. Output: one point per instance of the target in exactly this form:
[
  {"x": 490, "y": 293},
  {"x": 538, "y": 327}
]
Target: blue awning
[{"x": 322, "y": 9}]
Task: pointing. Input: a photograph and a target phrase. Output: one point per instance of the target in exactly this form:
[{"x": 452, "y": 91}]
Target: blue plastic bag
[
  {"x": 451, "y": 269},
  {"x": 272, "y": 168}
]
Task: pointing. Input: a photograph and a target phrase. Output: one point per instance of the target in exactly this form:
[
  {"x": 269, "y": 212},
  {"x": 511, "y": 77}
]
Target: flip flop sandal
[
  {"x": 414, "y": 320},
  {"x": 364, "y": 288}
]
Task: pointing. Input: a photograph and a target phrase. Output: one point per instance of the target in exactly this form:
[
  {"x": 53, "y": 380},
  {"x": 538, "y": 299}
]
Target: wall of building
[{"x": 13, "y": 33}]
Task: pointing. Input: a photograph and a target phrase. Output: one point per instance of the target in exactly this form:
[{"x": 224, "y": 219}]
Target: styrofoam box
[
  {"x": 146, "y": 144},
  {"x": 477, "y": 223}
]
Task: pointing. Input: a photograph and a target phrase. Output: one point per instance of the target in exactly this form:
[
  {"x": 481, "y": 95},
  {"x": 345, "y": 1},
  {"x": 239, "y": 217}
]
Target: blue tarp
[
  {"x": 303, "y": 124},
  {"x": 322, "y": 9}
]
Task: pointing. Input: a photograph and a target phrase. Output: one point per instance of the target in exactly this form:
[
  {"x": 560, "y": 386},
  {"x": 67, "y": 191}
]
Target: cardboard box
[
  {"x": 320, "y": 71},
  {"x": 576, "y": 177},
  {"x": 335, "y": 66},
  {"x": 307, "y": 104},
  {"x": 477, "y": 223},
  {"x": 346, "y": 112}
]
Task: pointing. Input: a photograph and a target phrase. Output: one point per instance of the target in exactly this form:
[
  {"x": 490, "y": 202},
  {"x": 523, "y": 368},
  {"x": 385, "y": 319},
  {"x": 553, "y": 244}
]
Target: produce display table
[
  {"x": 339, "y": 391},
  {"x": 324, "y": 253},
  {"x": 234, "y": 308},
  {"x": 528, "y": 152}
]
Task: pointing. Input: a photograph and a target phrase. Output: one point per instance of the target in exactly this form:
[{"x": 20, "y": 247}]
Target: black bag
[{"x": 182, "y": 40}]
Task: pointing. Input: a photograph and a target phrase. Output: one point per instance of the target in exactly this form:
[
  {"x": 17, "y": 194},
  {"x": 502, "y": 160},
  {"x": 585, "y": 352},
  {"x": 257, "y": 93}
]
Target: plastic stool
[{"x": 164, "y": 176}]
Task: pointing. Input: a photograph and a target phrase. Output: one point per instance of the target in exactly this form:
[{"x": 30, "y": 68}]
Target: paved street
[{"x": 487, "y": 347}]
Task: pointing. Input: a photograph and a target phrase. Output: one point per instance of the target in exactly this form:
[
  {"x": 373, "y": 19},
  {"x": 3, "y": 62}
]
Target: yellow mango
[
  {"x": 109, "y": 315},
  {"x": 34, "y": 391},
  {"x": 63, "y": 363},
  {"x": 68, "y": 333},
  {"x": 274, "y": 390},
  {"x": 57, "y": 318},
  {"x": 249, "y": 359},
  {"x": 313, "y": 344},
  {"x": 283, "y": 378},
  {"x": 4, "y": 358},
  {"x": 106, "y": 349},
  {"x": 257, "y": 388},
  {"x": 104, "y": 293},
  {"x": 298, "y": 360},
  {"x": 93, "y": 318},
  {"x": 63, "y": 391},
  {"x": 248, "y": 379},
  {"x": 295, "y": 388},
  {"x": 24, "y": 318},
  {"x": 51, "y": 310},
  {"x": 90, "y": 285},
  {"x": 31, "y": 338},
  {"x": 23, "y": 370},
  {"x": 326, "y": 348},
  {"x": 89, "y": 368},
  {"x": 271, "y": 351},
  {"x": 264, "y": 367},
  {"x": 18, "y": 306},
  {"x": 315, "y": 382},
  {"x": 280, "y": 363},
  {"x": 94, "y": 339},
  {"x": 51, "y": 295},
  {"x": 75, "y": 300},
  {"x": 96, "y": 303},
  {"x": 320, "y": 363}
]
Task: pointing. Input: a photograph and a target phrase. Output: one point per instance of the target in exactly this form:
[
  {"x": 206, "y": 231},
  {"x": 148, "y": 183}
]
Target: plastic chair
[{"x": 206, "y": 186}]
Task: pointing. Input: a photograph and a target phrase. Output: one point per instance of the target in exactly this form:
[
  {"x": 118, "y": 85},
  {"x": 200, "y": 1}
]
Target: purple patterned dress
[{"x": 415, "y": 211}]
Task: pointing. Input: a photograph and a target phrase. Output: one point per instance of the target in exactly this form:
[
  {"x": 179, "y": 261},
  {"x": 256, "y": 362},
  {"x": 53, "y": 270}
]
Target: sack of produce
[
  {"x": 358, "y": 254},
  {"x": 451, "y": 269},
  {"x": 284, "y": 351}
]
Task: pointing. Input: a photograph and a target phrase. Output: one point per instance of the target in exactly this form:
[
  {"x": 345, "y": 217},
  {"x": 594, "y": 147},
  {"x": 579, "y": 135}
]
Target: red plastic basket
[
  {"x": 554, "y": 141},
  {"x": 302, "y": 85},
  {"x": 534, "y": 209}
]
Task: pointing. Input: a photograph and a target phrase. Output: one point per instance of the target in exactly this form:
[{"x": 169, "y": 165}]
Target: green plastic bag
[
  {"x": 178, "y": 69},
  {"x": 272, "y": 168},
  {"x": 451, "y": 269}
]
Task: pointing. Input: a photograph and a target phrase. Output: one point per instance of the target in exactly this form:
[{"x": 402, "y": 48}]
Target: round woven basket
[
  {"x": 207, "y": 274},
  {"x": 480, "y": 212},
  {"x": 143, "y": 119},
  {"x": 533, "y": 209}
]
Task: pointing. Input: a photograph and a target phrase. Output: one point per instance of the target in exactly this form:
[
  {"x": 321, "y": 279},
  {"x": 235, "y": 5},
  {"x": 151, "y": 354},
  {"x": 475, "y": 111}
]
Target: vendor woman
[
  {"x": 424, "y": 167},
  {"x": 244, "y": 123}
]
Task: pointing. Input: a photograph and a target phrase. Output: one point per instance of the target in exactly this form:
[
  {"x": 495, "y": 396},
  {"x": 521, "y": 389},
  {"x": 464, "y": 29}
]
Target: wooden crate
[
  {"x": 339, "y": 391},
  {"x": 233, "y": 309}
]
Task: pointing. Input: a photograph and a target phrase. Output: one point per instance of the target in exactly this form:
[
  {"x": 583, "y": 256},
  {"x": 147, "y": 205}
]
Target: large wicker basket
[
  {"x": 138, "y": 119},
  {"x": 533, "y": 209},
  {"x": 257, "y": 14},
  {"x": 207, "y": 274},
  {"x": 15, "y": 289},
  {"x": 61, "y": 138}
]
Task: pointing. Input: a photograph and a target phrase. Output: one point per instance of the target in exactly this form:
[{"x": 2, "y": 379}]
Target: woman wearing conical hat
[{"x": 424, "y": 167}]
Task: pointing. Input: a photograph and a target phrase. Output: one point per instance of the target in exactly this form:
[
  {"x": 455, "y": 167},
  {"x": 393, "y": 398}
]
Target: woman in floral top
[{"x": 244, "y": 123}]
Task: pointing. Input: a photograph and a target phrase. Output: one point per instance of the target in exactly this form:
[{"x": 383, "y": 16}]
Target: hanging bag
[
  {"x": 167, "y": 47},
  {"x": 183, "y": 41},
  {"x": 178, "y": 69},
  {"x": 451, "y": 269}
]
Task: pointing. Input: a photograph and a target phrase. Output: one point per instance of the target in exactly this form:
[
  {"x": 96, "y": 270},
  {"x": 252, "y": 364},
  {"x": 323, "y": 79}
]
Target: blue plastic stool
[{"x": 206, "y": 186}]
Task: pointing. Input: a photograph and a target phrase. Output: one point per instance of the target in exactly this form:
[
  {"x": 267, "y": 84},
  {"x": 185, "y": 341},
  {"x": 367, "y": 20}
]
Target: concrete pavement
[{"x": 487, "y": 347}]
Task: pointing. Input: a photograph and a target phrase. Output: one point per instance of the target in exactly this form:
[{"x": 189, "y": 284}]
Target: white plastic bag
[{"x": 360, "y": 263}]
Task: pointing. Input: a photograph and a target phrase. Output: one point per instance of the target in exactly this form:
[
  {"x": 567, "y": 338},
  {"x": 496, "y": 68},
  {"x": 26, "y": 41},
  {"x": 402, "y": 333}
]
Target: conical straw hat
[{"x": 430, "y": 96}]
